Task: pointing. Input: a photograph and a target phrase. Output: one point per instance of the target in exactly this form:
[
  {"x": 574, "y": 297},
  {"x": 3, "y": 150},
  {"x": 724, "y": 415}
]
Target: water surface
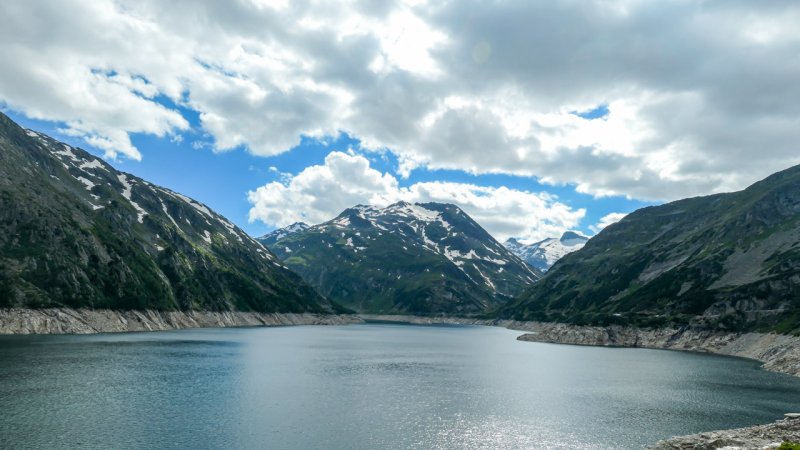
[{"x": 367, "y": 386}]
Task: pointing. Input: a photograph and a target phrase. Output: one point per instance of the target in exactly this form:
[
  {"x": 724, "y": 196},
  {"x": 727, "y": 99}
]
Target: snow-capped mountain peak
[
  {"x": 545, "y": 253},
  {"x": 275, "y": 236},
  {"x": 423, "y": 257}
]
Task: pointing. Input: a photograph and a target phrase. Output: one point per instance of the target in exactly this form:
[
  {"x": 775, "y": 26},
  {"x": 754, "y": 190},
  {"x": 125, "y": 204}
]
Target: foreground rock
[
  {"x": 86, "y": 321},
  {"x": 759, "y": 437}
]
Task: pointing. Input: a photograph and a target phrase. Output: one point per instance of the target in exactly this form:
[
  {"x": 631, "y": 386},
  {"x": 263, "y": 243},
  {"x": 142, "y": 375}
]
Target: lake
[{"x": 367, "y": 386}]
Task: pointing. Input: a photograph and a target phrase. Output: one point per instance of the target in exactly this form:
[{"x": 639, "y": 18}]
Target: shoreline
[
  {"x": 23, "y": 321},
  {"x": 776, "y": 352}
]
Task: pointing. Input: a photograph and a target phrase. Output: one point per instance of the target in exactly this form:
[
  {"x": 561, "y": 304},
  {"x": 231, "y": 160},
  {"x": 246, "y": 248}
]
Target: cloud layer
[
  {"x": 319, "y": 193},
  {"x": 702, "y": 96}
]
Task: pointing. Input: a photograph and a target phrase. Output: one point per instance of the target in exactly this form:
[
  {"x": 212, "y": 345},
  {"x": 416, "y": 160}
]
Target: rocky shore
[
  {"x": 778, "y": 352},
  {"x": 86, "y": 321},
  {"x": 759, "y": 437}
]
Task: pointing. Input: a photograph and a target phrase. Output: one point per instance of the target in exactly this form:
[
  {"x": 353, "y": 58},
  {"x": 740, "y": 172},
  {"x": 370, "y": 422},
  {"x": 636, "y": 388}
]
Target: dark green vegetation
[
  {"x": 74, "y": 232},
  {"x": 406, "y": 258},
  {"x": 789, "y": 446},
  {"x": 728, "y": 261}
]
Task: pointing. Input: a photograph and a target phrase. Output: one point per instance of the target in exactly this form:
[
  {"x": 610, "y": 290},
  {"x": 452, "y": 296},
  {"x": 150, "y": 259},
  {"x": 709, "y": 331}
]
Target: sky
[{"x": 534, "y": 117}]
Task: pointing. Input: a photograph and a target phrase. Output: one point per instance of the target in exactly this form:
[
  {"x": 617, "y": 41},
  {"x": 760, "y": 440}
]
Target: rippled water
[{"x": 367, "y": 386}]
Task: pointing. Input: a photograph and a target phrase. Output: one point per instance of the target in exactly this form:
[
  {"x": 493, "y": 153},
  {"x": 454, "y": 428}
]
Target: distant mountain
[
  {"x": 406, "y": 258},
  {"x": 543, "y": 254},
  {"x": 271, "y": 238},
  {"x": 730, "y": 261},
  {"x": 75, "y": 232}
]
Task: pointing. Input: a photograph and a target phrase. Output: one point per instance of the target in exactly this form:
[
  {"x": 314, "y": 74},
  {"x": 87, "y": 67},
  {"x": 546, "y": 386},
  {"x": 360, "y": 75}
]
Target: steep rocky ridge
[{"x": 76, "y": 233}]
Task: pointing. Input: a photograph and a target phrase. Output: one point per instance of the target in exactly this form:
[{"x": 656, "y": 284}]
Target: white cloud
[
  {"x": 694, "y": 91},
  {"x": 319, "y": 193},
  {"x": 607, "y": 220}
]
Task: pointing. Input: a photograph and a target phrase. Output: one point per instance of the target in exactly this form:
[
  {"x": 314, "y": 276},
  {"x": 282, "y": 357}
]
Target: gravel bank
[{"x": 86, "y": 321}]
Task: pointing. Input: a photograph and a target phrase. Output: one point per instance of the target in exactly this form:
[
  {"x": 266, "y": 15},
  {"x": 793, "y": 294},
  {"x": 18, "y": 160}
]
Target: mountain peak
[
  {"x": 543, "y": 254},
  {"x": 297, "y": 226},
  {"x": 406, "y": 257},
  {"x": 274, "y": 236},
  {"x": 572, "y": 238}
]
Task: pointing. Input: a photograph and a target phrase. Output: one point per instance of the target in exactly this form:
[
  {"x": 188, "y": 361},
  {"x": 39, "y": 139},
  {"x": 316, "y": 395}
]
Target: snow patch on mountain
[{"x": 127, "y": 189}]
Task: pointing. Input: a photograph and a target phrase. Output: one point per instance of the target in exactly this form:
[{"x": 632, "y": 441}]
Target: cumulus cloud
[
  {"x": 702, "y": 97},
  {"x": 319, "y": 193},
  {"x": 607, "y": 220}
]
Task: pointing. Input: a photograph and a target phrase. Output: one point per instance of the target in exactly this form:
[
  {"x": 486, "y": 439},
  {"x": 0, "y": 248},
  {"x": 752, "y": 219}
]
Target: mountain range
[
  {"x": 78, "y": 233},
  {"x": 729, "y": 261},
  {"x": 422, "y": 258},
  {"x": 543, "y": 254}
]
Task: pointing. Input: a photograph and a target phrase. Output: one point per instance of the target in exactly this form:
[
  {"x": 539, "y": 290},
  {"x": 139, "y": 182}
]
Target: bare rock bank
[
  {"x": 758, "y": 437},
  {"x": 778, "y": 352},
  {"x": 86, "y": 321}
]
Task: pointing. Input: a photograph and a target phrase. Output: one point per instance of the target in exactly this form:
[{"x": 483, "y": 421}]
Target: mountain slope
[
  {"x": 75, "y": 232},
  {"x": 406, "y": 258},
  {"x": 728, "y": 260},
  {"x": 543, "y": 254}
]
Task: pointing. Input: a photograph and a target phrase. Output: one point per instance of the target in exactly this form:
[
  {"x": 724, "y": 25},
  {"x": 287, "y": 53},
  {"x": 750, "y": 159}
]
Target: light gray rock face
[
  {"x": 778, "y": 352},
  {"x": 759, "y": 437},
  {"x": 86, "y": 321}
]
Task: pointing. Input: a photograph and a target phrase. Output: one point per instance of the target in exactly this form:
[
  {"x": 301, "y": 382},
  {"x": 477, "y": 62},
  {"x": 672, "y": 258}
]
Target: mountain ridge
[
  {"x": 729, "y": 261},
  {"x": 425, "y": 258},
  {"x": 78, "y": 233}
]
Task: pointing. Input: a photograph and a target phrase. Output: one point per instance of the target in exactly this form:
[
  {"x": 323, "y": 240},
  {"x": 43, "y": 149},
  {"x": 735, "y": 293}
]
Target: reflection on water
[{"x": 366, "y": 386}]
